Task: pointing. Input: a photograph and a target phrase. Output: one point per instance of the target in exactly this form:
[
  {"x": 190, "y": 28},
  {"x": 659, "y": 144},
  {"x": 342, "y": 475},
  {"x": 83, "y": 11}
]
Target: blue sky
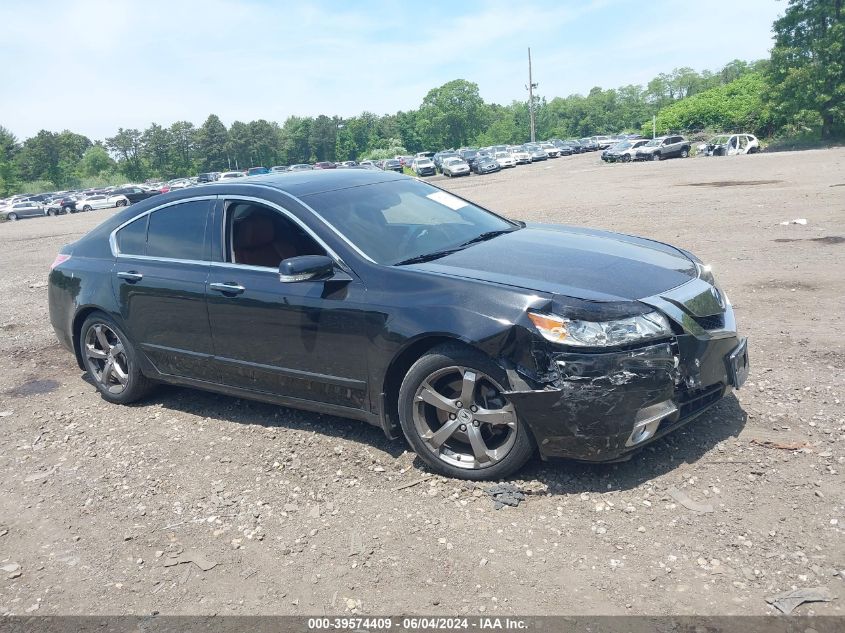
[{"x": 92, "y": 66}]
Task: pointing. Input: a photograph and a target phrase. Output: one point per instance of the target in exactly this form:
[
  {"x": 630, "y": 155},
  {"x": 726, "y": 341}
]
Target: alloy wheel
[
  {"x": 463, "y": 418},
  {"x": 107, "y": 358}
]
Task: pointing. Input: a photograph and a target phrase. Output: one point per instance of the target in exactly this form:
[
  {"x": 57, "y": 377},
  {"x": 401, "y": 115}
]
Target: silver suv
[{"x": 664, "y": 147}]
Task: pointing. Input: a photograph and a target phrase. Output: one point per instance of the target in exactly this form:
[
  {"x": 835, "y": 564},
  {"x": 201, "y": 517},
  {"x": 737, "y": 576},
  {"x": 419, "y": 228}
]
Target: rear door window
[{"x": 178, "y": 231}]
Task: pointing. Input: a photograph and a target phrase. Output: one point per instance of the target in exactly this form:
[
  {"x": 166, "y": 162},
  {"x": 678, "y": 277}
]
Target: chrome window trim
[
  {"x": 285, "y": 212},
  {"x": 113, "y": 235},
  {"x": 321, "y": 218},
  {"x": 169, "y": 260}
]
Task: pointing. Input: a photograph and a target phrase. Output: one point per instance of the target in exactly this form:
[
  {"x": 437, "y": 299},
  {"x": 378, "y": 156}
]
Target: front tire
[
  {"x": 68, "y": 209},
  {"x": 111, "y": 360},
  {"x": 684, "y": 153},
  {"x": 655, "y": 156},
  {"x": 12, "y": 217},
  {"x": 87, "y": 207},
  {"x": 455, "y": 416}
]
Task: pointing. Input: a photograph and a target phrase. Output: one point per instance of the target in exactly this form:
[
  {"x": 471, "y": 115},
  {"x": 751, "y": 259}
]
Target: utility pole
[
  {"x": 653, "y": 126},
  {"x": 530, "y": 87}
]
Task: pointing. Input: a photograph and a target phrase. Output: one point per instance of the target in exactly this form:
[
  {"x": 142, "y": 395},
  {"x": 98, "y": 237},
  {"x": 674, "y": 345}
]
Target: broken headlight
[{"x": 601, "y": 333}]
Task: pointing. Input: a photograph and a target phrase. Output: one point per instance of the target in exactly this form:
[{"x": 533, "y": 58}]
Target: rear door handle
[
  {"x": 229, "y": 288},
  {"x": 131, "y": 276}
]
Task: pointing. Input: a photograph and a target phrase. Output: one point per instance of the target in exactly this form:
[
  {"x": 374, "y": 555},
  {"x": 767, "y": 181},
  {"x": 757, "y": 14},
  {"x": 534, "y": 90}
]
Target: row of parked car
[
  {"x": 675, "y": 146},
  {"x": 62, "y": 202}
]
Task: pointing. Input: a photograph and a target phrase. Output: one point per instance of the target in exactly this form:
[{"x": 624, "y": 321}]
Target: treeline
[
  {"x": 451, "y": 115},
  {"x": 799, "y": 90}
]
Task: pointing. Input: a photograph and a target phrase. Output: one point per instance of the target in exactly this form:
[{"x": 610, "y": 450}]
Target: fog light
[{"x": 647, "y": 421}]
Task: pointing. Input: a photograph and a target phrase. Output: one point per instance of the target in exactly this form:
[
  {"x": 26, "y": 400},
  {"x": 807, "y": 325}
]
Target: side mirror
[{"x": 305, "y": 268}]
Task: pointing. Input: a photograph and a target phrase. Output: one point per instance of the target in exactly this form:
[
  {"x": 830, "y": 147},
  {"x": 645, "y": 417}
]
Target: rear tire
[
  {"x": 52, "y": 212},
  {"x": 111, "y": 360},
  {"x": 479, "y": 439},
  {"x": 87, "y": 207},
  {"x": 684, "y": 153},
  {"x": 12, "y": 217},
  {"x": 69, "y": 209}
]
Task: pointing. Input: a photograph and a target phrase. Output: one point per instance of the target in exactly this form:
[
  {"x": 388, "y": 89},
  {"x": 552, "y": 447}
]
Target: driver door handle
[
  {"x": 230, "y": 288},
  {"x": 131, "y": 276}
]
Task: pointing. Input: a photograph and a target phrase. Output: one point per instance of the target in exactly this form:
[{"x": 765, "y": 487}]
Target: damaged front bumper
[{"x": 605, "y": 404}]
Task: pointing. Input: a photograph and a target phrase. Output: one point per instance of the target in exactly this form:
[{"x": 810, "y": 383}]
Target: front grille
[
  {"x": 693, "y": 402},
  {"x": 714, "y": 322}
]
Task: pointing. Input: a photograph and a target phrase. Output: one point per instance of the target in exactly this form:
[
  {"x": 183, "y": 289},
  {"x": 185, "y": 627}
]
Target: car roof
[{"x": 303, "y": 183}]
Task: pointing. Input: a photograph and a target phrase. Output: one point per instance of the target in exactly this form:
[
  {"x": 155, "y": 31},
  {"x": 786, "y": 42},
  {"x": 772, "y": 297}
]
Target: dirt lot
[{"x": 103, "y": 507}]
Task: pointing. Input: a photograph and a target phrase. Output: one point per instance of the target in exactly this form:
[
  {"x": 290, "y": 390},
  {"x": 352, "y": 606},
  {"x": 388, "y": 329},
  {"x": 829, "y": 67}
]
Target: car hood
[
  {"x": 571, "y": 261},
  {"x": 645, "y": 149}
]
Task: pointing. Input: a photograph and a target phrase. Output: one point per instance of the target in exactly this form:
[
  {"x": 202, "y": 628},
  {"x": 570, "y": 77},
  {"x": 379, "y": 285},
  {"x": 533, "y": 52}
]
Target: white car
[
  {"x": 551, "y": 150},
  {"x": 100, "y": 201},
  {"x": 505, "y": 159},
  {"x": 730, "y": 145},
  {"x": 230, "y": 175},
  {"x": 520, "y": 156}
]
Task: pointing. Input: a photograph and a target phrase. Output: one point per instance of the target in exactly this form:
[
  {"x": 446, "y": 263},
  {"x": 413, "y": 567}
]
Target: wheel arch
[{"x": 398, "y": 368}]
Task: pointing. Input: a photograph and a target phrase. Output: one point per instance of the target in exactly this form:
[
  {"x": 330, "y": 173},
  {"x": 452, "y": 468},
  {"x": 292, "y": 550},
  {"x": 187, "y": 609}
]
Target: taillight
[{"x": 61, "y": 258}]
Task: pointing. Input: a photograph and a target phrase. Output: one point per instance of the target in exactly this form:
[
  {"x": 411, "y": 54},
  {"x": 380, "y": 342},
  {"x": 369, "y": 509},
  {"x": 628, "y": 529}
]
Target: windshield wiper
[
  {"x": 486, "y": 236},
  {"x": 427, "y": 257}
]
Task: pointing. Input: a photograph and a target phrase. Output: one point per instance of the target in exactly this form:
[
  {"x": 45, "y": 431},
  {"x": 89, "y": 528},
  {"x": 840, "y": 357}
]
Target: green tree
[
  {"x": 8, "y": 170},
  {"x": 128, "y": 147},
  {"x": 39, "y": 158},
  {"x": 157, "y": 142},
  {"x": 211, "y": 141},
  {"x": 183, "y": 135},
  {"x": 96, "y": 161},
  {"x": 451, "y": 115},
  {"x": 807, "y": 70}
]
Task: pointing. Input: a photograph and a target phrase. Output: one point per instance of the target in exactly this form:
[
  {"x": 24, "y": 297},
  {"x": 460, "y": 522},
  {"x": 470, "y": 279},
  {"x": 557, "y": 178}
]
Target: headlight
[
  {"x": 705, "y": 273},
  {"x": 601, "y": 333}
]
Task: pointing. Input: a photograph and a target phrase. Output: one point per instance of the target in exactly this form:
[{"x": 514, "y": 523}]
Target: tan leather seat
[{"x": 255, "y": 242}]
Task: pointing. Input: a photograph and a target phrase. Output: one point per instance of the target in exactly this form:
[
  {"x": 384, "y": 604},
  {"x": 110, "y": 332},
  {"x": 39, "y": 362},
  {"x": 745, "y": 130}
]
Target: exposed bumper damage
[{"x": 601, "y": 405}]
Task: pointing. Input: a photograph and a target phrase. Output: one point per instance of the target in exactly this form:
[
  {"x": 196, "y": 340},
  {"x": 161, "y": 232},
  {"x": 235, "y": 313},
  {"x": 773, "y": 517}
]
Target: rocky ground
[{"x": 195, "y": 503}]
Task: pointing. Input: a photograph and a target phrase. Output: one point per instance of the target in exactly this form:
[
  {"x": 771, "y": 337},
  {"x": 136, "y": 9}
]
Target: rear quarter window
[{"x": 132, "y": 238}]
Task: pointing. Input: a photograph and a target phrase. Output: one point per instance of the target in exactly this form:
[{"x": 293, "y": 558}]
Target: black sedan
[
  {"x": 485, "y": 165},
  {"x": 136, "y": 194},
  {"x": 375, "y": 296}
]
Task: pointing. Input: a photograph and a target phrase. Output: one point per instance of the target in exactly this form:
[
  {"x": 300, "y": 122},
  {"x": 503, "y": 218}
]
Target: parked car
[
  {"x": 551, "y": 150},
  {"x": 623, "y": 151},
  {"x": 280, "y": 168},
  {"x": 485, "y": 164},
  {"x": 301, "y": 167},
  {"x": 588, "y": 144},
  {"x": 136, "y": 194},
  {"x": 536, "y": 152},
  {"x": 663, "y": 147},
  {"x": 324, "y": 164},
  {"x": 439, "y": 157},
  {"x": 505, "y": 159},
  {"x": 480, "y": 339},
  {"x": 455, "y": 166},
  {"x": 230, "y": 175},
  {"x": 61, "y": 204},
  {"x": 101, "y": 201},
  {"x": 257, "y": 171},
  {"x": 24, "y": 209},
  {"x": 520, "y": 155},
  {"x": 391, "y": 164},
  {"x": 348, "y": 163},
  {"x": 210, "y": 176},
  {"x": 563, "y": 148},
  {"x": 423, "y": 167},
  {"x": 367, "y": 164},
  {"x": 730, "y": 145}
]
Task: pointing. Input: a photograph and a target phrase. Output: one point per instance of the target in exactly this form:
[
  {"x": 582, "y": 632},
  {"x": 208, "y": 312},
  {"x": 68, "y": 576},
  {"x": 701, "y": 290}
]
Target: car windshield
[
  {"x": 623, "y": 145},
  {"x": 719, "y": 140},
  {"x": 400, "y": 220},
  {"x": 423, "y": 163},
  {"x": 654, "y": 142},
  {"x": 452, "y": 161}
]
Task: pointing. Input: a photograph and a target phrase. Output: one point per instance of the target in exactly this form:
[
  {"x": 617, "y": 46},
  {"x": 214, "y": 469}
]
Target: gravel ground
[{"x": 195, "y": 503}]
